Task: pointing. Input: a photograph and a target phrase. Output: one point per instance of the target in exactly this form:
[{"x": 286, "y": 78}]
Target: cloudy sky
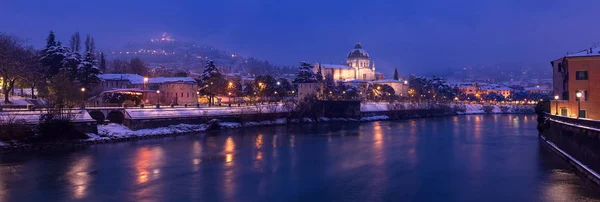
[{"x": 414, "y": 36}]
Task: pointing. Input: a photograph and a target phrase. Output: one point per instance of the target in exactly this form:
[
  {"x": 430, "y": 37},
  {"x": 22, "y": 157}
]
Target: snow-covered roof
[
  {"x": 332, "y": 66},
  {"x": 587, "y": 52},
  {"x": 536, "y": 88},
  {"x": 387, "y": 81},
  {"x": 497, "y": 88},
  {"x": 358, "y": 52},
  {"x": 133, "y": 78},
  {"x": 137, "y": 79},
  {"x": 171, "y": 80},
  {"x": 355, "y": 80}
]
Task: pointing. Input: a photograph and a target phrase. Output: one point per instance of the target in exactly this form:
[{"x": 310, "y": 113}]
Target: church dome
[{"x": 358, "y": 52}]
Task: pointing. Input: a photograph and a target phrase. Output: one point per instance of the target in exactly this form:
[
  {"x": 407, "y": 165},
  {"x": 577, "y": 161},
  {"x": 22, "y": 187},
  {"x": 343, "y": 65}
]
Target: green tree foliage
[
  {"x": 212, "y": 82},
  {"x": 305, "y": 74}
]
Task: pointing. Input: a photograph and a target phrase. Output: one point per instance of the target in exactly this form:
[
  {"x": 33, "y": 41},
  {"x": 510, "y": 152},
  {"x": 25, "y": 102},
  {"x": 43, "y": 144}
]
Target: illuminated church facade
[{"x": 358, "y": 67}]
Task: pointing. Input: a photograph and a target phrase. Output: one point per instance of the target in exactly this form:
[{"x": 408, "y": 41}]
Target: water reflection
[
  {"x": 148, "y": 160},
  {"x": 463, "y": 158},
  {"x": 229, "y": 149},
  {"x": 229, "y": 185},
  {"x": 79, "y": 177}
]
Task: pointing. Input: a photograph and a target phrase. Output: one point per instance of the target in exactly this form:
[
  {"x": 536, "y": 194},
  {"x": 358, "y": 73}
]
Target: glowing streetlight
[
  {"x": 157, "y": 98},
  {"x": 145, "y": 81},
  {"x": 229, "y": 93},
  {"x": 578, "y": 94},
  {"x": 278, "y": 83},
  {"x": 83, "y": 96}
]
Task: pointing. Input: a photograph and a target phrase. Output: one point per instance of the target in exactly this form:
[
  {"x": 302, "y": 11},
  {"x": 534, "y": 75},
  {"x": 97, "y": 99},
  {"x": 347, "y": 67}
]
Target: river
[{"x": 455, "y": 158}]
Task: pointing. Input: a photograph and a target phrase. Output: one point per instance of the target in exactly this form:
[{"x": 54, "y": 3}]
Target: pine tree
[
  {"x": 53, "y": 55},
  {"x": 319, "y": 74},
  {"x": 102, "y": 63},
  {"x": 212, "y": 81},
  {"x": 305, "y": 74},
  {"x": 396, "y": 74},
  {"x": 50, "y": 40},
  {"x": 88, "y": 68}
]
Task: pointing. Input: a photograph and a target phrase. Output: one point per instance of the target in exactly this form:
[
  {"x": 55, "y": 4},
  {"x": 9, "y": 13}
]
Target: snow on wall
[{"x": 166, "y": 112}]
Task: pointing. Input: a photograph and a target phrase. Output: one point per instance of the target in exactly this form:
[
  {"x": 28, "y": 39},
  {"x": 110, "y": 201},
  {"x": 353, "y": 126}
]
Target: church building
[{"x": 358, "y": 67}]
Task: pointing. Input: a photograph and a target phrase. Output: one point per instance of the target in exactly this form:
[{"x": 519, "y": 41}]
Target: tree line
[{"x": 58, "y": 72}]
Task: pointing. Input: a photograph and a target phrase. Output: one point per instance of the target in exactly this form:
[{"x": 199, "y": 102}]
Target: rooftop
[
  {"x": 137, "y": 79},
  {"x": 595, "y": 51}
]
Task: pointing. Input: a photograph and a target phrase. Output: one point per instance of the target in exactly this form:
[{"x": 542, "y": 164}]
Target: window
[
  {"x": 581, "y": 75},
  {"x": 364, "y": 76},
  {"x": 563, "y": 112},
  {"x": 181, "y": 94},
  {"x": 559, "y": 67}
]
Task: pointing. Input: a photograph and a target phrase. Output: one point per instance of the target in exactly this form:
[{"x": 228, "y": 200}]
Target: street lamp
[
  {"x": 556, "y": 100},
  {"x": 83, "y": 96},
  {"x": 145, "y": 81},
  {"x": 157, "y": 98},
  {"x": 578, "y": 94},
  {"x": 229, "y": 98}
]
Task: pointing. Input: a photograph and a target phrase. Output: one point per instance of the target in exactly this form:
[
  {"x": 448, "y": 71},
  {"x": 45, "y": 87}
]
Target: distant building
[
  {"x": 400, "y": 88},
  {"x": 359, "y": 71},
  {"x": 504, "y": 91},
  {"x": 468, "y": 88},
  {"x": 358, "y": 66},
  {"x": 167, "y": 90},
  {"x": 309, "y": 89},
  {"x": 577, "y": 73},
  {"x": 537, "y": 89}
]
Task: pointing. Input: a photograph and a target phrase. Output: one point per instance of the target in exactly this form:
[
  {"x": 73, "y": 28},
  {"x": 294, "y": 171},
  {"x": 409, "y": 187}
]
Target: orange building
[{"x": 577, "y": 74}]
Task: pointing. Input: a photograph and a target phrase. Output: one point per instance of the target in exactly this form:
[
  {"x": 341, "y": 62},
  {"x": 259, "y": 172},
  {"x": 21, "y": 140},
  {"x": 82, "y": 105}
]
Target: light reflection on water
[{"x": 460, "y": 158}]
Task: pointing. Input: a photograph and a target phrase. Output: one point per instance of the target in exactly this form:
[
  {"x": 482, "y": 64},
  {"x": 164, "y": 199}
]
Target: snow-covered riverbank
[{"x": 117, "y": 131}]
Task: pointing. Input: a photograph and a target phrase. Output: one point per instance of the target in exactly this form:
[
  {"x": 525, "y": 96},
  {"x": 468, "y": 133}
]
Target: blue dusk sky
[{"x": 415, "y": 36}]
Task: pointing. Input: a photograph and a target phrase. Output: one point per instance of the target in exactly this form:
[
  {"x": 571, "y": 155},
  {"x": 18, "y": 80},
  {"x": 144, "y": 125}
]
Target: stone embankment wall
[{"x": 578, "y": 138}]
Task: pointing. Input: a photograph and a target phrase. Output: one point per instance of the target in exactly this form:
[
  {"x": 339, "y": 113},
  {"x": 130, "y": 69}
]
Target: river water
[{"x": 460, "y": 158}]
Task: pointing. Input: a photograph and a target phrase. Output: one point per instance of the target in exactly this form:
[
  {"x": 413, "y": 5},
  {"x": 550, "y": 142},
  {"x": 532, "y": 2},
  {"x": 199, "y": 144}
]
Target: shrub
[
  {"x": 115, "y": 117},
  {"x": 58, "y": 129},
  {"x": 98, "y": 116},
  {"x": 14, "y": 129}
]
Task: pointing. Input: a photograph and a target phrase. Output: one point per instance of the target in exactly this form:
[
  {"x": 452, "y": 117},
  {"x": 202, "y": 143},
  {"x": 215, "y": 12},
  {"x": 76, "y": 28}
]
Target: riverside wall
[{"x": 576, "y": 140}]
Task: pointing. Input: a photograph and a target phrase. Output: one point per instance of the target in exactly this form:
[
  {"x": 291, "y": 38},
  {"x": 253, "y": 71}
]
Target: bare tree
[
  {"x": 12, "y": 59},
  {"x": 34, "y": 71},
  {"x": 75, "y": 42}
]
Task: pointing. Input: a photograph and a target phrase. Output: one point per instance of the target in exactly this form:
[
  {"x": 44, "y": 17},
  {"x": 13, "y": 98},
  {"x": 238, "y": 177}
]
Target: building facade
[
  {"x": 359, "y": 71},
  {"x": 164, "y": 90},
  {"x": 358, "y": 66},
  {"x": 577, "y": 74}
]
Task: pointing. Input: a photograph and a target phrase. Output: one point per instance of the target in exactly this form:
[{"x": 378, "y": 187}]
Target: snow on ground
[
  {"x": 16, "y": 100},
  {"x": 113, "y": 131},
  {"x": 34, "y": 116},
  {"x": 167, "y": 112}
]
